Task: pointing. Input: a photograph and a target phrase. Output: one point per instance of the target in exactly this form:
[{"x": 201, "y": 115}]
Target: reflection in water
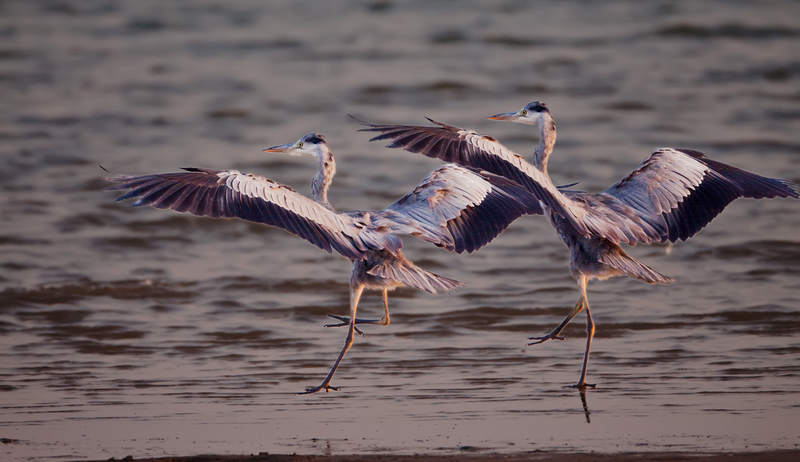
[
  {"x": 144, "y": 333},
  {"x": 586, "y": 412}
]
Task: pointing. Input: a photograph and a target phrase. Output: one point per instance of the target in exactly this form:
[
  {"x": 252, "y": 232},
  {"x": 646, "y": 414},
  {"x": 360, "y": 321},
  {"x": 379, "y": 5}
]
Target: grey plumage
[
  {"x": 670, "y": 196},
  {"x": 457, "y": 208}
]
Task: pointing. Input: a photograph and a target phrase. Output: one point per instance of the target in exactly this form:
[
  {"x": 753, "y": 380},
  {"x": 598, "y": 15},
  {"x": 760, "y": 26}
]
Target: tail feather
[
  {"x": 634, "y": 268},
  {"x": 413, "y": 276}
]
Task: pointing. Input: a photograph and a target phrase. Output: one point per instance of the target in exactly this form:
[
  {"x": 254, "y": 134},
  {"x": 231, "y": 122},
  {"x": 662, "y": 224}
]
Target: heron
[
  {"x": 456, "y": 208},
  {"x": 670, "y": 196}
]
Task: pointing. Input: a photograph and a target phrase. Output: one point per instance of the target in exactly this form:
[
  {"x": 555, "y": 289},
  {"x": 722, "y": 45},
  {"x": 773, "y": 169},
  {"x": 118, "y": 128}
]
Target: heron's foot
[
  {"x": 544, "y": 339},
  {"x": 581, "y": 387},
  {"x": 345, "y": 322},
  {"x": 325, "y": 387}
]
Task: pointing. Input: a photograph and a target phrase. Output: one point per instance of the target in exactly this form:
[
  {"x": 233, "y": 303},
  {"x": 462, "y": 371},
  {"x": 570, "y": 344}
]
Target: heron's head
[
  {"x": 531, "y": 114},
  {"x": 311, "y": 145}
]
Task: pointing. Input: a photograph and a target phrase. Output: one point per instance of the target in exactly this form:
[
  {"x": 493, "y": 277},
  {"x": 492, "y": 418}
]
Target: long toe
[
  {"x": 345, "y": 321},
  {"x": 544, "y": 339},
  {"x": 311, "y": 390}
]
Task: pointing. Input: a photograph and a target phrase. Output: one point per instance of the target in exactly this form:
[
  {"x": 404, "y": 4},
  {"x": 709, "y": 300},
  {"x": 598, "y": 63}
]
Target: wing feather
[
  {"x": 462, "y": 209},
  {"x": 686, "y": 190},
  {"x": 468, "y": 148},
  {"x": 230, "y": 193},
  {"x": 671, "y": 195}
]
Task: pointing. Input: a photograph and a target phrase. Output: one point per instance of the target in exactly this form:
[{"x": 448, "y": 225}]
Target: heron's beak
[
  {"x": 282, "y": 148},
  {"x": 506, "y": 116}
]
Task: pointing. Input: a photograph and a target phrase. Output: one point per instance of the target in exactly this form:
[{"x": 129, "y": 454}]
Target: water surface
[{"x": 145, "y": 332}]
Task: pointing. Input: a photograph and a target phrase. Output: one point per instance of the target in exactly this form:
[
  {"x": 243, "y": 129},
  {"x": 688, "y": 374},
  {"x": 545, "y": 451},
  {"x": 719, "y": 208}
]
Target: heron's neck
[
  {"x": 322, "y": 180},
  {"x": 547, "y": 138}
]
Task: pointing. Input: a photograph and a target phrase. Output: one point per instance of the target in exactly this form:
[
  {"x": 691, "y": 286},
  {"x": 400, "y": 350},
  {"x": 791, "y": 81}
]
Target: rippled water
[{"x": 146, "y": 332}]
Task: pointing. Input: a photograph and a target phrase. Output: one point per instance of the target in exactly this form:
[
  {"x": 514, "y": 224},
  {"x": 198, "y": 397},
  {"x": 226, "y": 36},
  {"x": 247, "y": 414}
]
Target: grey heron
[
  {"x": 671, "y": 195},
  {"x": 457, "y": 208}
]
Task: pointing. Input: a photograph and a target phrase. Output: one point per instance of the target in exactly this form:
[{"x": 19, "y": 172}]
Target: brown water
[{"x": 145, "y": 332}]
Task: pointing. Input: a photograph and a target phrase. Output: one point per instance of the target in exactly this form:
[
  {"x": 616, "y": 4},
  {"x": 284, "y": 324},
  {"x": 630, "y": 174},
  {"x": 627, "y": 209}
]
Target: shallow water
[{"x": 145, "y": 332}]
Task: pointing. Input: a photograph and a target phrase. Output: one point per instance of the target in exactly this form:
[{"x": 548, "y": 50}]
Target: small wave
[
  {"x": 17, "y": 240},
  {"x": 71, "y": 293},
  {"x": 773, "y": 72},
  {"x": 130, "y": 243},
  {"x": 774, "y": 252},
  {"x": 428, "y": 92},
  {"x": 207, "y": 48},
  {"x": 734, "y": 31}
]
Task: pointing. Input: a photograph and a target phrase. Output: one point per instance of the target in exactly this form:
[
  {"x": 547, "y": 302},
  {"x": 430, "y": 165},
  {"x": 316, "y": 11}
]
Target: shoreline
[{"x": 543, "y": 456}]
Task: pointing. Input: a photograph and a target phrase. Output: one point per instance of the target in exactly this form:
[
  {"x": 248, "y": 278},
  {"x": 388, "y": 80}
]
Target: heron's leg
[
  {"x": 355, "y": 296},
  {"x": 582, "y": 302},
  {"x": 589, "y": 335},
  {"x": 384, "y": 321}
]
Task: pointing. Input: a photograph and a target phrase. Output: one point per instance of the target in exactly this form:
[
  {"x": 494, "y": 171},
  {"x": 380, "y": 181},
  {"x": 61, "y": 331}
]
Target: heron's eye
[
  {"x": 523, "y": 112},
  {"x": 299, "y": 144}
]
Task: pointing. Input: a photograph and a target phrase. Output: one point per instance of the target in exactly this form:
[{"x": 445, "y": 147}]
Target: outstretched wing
[
  {"x": 462, "y": 209},
  {"x": 229, "y": 194},
  {"x": 466, "y": 147},
  {"x": 672, "y": 195},
  {"x": 687, "y": 190}
]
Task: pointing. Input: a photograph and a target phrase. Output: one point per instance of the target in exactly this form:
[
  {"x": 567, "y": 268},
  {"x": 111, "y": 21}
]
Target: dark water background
[{"x": 145, "y": 332}]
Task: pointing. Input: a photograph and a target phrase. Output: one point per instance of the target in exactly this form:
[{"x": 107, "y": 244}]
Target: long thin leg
[
  {"x": 582, "y": 302},
  {"x": 384, "y": 321},
  {"x": 589, "y": 335},
  {"x": 355, "y": 296}
]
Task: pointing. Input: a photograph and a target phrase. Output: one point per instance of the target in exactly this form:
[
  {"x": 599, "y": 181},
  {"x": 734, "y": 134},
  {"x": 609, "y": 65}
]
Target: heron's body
[
  {"x": 598, "y": 258},
  {"x": 671, "y": 195},
  {"x": 455, "y": 208}
]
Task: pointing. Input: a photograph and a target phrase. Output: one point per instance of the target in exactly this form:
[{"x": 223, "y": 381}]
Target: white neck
[
  {"x": 547, "y": 138},
  {"x": 322, "y": 180}
]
